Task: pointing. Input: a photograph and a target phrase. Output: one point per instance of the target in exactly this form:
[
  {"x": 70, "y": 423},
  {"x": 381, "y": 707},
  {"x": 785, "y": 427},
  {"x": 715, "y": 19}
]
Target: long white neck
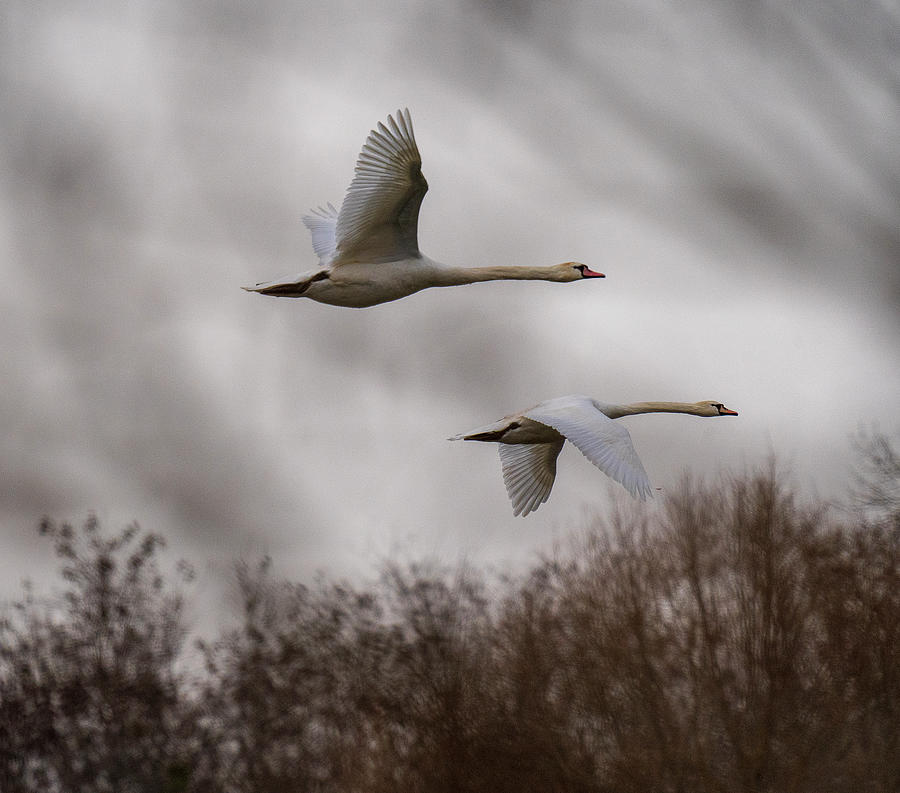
[
  {"x": 617, "y": 411},
  {"x": 450, "y": 275}
]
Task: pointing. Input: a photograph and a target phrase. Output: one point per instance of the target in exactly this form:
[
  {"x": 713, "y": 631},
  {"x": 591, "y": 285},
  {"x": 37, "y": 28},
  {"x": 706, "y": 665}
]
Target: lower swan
[{"x": 530, "y": 441}]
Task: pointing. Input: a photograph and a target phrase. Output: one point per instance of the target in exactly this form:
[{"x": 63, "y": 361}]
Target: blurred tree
[
  {"x": 89, "y": 699},
  {"x": 738, "y": 641},
  {"x": 289, "y": 690},
  {"x": 877, "y": 477},
  {"x": 732, "y": 639}
]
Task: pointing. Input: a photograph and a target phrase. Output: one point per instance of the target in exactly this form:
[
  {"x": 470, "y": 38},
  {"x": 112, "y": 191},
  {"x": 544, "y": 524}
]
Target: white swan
[
  {"x": 368, "y": 252},
  {"x": 531, "y": 441}
]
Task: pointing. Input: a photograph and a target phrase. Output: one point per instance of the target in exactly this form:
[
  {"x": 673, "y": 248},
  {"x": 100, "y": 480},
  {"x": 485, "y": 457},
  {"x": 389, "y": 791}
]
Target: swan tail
[
  {"x": 292, "y": 289},
  {"x": 493, "y": 435},
  {"x": 490, "y": 432},
  {"x": 295, "y": 287}
]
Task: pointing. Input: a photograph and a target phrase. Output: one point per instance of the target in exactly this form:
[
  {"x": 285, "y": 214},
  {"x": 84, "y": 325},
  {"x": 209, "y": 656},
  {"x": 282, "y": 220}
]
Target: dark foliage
[
  {"x": 89, "y": 699},
  {"x": 734, "y": 640}
]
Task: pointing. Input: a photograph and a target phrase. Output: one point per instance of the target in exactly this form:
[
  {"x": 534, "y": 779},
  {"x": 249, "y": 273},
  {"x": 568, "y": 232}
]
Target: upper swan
[{"x": 369, "y": 252}]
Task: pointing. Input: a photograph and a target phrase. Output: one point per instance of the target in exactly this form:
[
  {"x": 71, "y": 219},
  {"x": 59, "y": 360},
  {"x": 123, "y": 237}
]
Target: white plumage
[
  {"x": 531, "y": 441},
  {"x": 369, "y": 252}
]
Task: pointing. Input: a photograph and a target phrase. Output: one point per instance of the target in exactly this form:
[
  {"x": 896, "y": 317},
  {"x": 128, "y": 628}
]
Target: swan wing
[
  {"x": 321, "y": 223},
  {"x": 529, "y": 470},
  {"x": 379, "y": 217},
  {"x": 604, "y": 442}
]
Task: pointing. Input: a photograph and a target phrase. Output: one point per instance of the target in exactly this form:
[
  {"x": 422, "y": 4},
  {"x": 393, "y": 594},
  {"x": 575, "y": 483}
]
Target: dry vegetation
[{"x": 735, "y": 641}]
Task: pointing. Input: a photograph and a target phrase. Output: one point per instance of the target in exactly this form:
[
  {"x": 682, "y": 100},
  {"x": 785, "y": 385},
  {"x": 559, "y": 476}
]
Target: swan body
[
  {"x": 530, "y": 441},
  {"x": 368, "y": 251}
]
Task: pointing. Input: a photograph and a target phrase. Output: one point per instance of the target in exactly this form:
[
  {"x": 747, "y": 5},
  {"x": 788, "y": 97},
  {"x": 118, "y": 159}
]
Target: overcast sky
[{"x": 731, "y": 166}]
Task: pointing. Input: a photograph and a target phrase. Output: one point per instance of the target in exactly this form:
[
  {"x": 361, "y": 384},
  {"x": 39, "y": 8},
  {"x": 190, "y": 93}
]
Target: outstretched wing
[
  {"x": 379, "y": 218},
  {"x": 604, "y": 442},
  {"x": 529, "y": 470},
  {"x": 321, "y": 224}
]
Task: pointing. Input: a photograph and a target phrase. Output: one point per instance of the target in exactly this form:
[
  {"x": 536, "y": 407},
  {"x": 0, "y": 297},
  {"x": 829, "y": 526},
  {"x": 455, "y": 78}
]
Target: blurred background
[{"x": 732, "y": 167}]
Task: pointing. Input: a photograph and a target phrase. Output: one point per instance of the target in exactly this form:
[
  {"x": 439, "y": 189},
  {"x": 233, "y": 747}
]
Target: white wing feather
[
  {"x": 379, "y": 217},
  {"x": 529, "y": 470},
  {"x": 321, "y": 224},
  {"x": 604, "y": 442}
]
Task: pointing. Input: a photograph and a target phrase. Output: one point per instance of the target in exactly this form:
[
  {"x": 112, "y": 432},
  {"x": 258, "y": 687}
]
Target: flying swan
[
  {"x": 369, "y": 252},
  {"x": 531, "y": 441}
]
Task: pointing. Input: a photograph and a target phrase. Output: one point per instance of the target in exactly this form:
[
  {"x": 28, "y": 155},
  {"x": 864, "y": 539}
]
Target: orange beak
[
  {"x": 726, "y": 412},
  {"x": 589, "y": 273}
]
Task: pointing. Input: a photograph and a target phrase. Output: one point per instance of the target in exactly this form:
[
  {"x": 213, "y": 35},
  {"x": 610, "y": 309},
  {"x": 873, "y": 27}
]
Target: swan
[
  {"x": 531, "y": 441},
  {"x": 369, "y": 253}
]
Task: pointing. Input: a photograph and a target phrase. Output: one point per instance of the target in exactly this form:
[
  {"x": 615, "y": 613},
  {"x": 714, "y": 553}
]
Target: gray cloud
[{"x": 731, "y": 167}]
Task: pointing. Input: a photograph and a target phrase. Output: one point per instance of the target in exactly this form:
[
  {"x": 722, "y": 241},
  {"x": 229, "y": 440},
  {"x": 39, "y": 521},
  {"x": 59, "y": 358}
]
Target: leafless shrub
[
  {"x": 88, "y": 697},
  {"x": 876, "y": 485},
  {"x": 733, "y": 640},
  {"x": 741, "y": 642}
]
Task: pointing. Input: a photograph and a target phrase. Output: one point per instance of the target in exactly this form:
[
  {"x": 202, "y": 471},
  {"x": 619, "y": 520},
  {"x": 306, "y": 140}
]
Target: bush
[
  {"x": 89, "y": 700},
  {"x": 733, "y": 640}
]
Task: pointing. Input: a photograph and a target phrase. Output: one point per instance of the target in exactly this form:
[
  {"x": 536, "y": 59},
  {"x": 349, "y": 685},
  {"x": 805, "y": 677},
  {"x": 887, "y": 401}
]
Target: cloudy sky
[{"x": 731, "y": 166}]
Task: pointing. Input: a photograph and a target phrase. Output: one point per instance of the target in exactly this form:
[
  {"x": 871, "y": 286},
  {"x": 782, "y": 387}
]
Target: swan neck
[
  {"x": 450, "y": 275},
  {"x": 637, "y": 408}
]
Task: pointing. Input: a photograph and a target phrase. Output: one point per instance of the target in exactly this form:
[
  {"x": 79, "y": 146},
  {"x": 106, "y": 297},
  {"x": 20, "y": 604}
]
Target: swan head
[
  {"x": 712, "y": 408},
  {"x": 575, "y": 271}
]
